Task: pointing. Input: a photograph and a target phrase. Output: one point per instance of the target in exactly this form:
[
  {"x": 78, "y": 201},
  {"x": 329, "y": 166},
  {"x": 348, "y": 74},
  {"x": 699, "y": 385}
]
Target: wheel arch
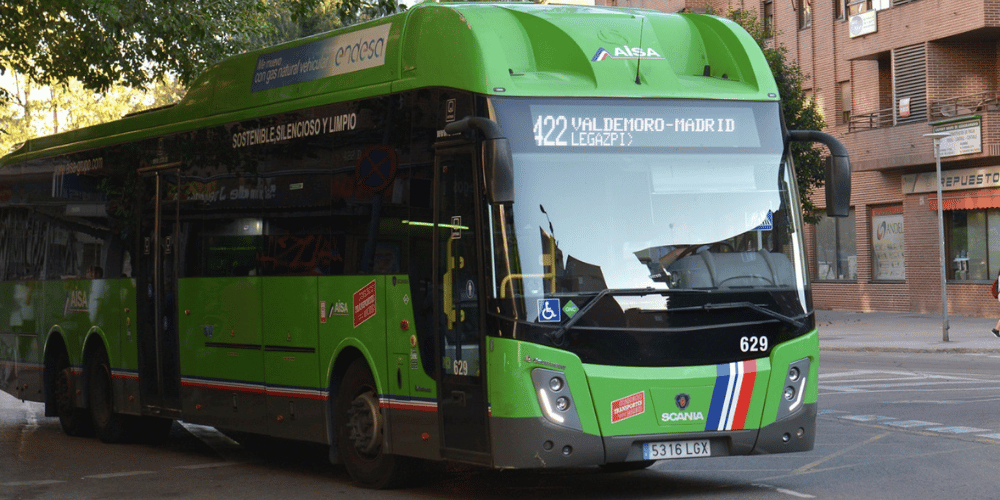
[{"x": 347, "y": 353}]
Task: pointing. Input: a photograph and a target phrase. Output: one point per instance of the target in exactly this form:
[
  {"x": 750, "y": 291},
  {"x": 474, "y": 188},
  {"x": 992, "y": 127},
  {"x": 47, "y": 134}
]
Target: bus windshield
[{"x": 645, "y": 202}]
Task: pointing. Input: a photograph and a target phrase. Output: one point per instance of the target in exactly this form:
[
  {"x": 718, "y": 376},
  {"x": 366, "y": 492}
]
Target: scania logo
[{"x": 682, "y": 400}]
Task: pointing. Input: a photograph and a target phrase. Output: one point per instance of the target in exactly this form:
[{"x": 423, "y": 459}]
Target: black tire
[
  {"x": 74, "y": 421},
  {"x": 111, "y": 427},
  {"x": 359, "y": 425}
]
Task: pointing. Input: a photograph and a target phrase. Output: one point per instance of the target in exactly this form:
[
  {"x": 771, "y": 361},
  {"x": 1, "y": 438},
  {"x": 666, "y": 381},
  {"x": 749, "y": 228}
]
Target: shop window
[
  {"x": 836, "y": 249},
  {"x": 973, "y": 249},
  {"x": 888, "y": 244}
]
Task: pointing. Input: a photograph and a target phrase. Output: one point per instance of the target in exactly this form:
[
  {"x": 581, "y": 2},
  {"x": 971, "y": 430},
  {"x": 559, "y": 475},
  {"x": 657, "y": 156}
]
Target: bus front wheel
[{"x": 360, "y": 426}]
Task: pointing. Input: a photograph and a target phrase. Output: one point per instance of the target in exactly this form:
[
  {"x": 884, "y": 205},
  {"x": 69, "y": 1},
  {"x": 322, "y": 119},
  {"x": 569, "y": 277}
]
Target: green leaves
[
  {"x": 130, "y": 42},
  {"x": 800, "y": 111}
]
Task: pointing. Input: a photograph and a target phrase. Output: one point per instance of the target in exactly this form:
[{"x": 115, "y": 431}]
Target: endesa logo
[
  {"x": 625, "y": 53},
  {"x": 888, "y": 228},
  {"x": 360, "y": 51}
]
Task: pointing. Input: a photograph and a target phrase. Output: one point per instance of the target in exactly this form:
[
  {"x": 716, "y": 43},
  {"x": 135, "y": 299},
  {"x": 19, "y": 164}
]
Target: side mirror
[
  {"x": 838, "y": 171},
  {"x": 838, "y": 186},
  {"x": 498, "y": 161}
]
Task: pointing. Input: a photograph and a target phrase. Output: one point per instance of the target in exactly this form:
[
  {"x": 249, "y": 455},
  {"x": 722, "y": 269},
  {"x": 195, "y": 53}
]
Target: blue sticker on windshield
[{"x": 548, "y": 311}]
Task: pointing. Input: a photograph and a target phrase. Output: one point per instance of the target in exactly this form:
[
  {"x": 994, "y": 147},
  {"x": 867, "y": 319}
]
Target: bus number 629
[{"x": 753, "y": 344}]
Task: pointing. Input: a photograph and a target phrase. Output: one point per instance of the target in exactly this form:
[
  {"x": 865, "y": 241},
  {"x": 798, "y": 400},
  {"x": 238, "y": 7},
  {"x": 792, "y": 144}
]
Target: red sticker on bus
[
  {"x": 629, "y": 406},
  {"x": 364, "y": 304}
]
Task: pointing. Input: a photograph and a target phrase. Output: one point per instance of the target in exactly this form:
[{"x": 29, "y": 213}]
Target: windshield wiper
[
  {"x": 557, "y": 336},
  {"x": 743, "y": 305}
]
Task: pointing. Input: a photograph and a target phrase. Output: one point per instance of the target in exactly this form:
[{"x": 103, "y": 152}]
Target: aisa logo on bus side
[{"x": 624, "y": 52}]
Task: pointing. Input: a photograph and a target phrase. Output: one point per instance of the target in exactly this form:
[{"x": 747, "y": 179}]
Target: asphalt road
[{"x": 891, "y": 425}]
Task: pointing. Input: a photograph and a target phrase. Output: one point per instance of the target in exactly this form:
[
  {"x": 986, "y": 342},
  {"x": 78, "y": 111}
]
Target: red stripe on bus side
[{"x": 746, "y": 394}]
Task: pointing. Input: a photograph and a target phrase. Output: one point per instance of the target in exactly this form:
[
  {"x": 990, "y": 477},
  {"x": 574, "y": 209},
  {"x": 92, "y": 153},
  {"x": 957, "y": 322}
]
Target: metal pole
[{"x": 940, "y": 215}]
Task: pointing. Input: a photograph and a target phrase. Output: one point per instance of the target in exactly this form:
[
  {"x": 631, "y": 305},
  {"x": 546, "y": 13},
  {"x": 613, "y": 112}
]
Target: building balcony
[
  {"x": 921, "y": 21},
  {"x": 878, "y": 140}
]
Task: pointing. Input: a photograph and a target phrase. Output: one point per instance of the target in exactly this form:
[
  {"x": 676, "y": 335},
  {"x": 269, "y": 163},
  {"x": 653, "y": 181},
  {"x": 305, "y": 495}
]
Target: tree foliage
[
  {"x": 800, "y": 111},
  {"x": 34, "y": 110},
  {"x": 101, "y": 43}
]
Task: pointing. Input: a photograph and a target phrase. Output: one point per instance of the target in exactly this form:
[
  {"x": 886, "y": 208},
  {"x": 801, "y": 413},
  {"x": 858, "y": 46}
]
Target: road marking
[
  {"x": 208, "y": 466},
  {"x": 957, "y": 430},
  {"x": 867, "y": 418},
  {"x": 907, "y": 424},
  {"x": 793, "y": 493},
  {"x": 843, "y": 451},
  {"x": 785, "y": 491},
  {"x": 114, "y": 475},
  {"x": 43, "y": 482},
  {"x": 910, "y": 424}
]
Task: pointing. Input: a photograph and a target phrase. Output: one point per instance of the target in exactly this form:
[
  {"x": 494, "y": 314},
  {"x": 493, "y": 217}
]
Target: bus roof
[{"x": 508, "y": 49}]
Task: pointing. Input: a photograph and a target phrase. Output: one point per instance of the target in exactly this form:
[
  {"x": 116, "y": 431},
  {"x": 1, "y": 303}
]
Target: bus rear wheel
[
  {"x": 360, "y": 426},
  {"x": 111, "y": 427},
  {"x": 74, "y": 421}
]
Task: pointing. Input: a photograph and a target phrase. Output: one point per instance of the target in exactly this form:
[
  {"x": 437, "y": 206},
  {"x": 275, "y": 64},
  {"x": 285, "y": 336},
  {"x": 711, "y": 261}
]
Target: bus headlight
[
  {"x": 795, "y": 388},
  {"x": 555, "y": 398}
]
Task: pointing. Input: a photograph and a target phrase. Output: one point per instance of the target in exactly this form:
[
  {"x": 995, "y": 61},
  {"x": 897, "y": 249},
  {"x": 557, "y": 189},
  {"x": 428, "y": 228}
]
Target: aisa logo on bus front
[{"x": 626, "y": 53}]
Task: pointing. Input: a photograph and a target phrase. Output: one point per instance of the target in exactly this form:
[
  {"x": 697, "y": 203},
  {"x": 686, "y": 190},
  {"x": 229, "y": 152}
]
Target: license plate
[{"x": 676, "y": 449}]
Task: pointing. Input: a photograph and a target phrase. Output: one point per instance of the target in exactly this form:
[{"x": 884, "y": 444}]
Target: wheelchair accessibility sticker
[{"x": 548, "y": 311}]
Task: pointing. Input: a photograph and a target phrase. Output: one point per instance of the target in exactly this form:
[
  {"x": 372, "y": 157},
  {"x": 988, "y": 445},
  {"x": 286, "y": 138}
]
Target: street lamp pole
[{"x": 937, "y": 136}]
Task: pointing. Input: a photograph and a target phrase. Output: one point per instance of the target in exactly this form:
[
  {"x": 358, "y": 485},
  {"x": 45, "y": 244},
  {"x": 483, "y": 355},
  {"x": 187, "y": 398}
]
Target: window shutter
[{"x": 909, "y": 67}]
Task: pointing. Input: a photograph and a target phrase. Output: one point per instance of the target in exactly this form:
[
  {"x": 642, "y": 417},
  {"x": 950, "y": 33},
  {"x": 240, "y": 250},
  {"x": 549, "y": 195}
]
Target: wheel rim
[{"x": 364, "y": 424}]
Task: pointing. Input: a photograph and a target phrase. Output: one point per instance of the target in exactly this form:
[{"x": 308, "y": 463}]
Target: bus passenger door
[
  {"x": 156, "y": 293},
  {"x": 462, "y": 396}
]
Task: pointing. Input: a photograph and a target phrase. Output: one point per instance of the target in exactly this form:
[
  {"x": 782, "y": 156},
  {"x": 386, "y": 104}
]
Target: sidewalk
[{"x": 908, "y": 332}]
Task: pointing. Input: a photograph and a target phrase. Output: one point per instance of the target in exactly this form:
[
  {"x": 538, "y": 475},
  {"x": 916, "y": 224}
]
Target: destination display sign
[{"x": 604, "y": 126}]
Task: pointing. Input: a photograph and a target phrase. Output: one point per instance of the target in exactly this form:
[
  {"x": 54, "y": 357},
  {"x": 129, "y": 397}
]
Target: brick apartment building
[{"x": 885, "y": 73}]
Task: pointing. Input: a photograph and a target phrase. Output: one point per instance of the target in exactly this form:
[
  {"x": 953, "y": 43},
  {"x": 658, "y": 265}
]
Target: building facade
[{"x": 885, "y": 73}]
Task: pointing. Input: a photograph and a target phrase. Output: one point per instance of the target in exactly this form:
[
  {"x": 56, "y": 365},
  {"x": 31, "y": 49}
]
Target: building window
[
  {"x": 846, "y": 99},
  {"x": 973, "y": 250},
  {"x": 839, "y": 8},
  {"x": 768, "y": 10},
  {"x": 855, "y": 7},
  {"x": 836, "y": 249},
  {"x": 888, "y": 244},
  {"x": 805, "y": 13}
]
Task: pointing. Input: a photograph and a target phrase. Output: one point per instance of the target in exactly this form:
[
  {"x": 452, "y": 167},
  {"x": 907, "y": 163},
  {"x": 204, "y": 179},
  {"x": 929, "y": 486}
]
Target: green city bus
[{"x": 512, "y": 235}]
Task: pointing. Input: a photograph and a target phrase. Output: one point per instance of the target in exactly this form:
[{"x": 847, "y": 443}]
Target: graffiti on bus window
[{"x": 289, "y": 254}]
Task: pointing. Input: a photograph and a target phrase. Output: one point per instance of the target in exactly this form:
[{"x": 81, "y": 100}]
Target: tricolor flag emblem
[
  {"x": 731, "y": 396},
  {"x": 600, "y": 55}
]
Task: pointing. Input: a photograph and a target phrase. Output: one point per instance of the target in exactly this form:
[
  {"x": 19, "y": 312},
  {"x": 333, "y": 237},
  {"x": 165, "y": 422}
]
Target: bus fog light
[
  {"x": 786, "y": 437},
  {"x": 789, "y": 393},
  {"x": 567, "y": 450},
  {"x": 793, "y": 395},
  {"x": 556, "y": 384},
  {"x": 801, "y": 432},
  {"x": 555, "y": 399}
]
